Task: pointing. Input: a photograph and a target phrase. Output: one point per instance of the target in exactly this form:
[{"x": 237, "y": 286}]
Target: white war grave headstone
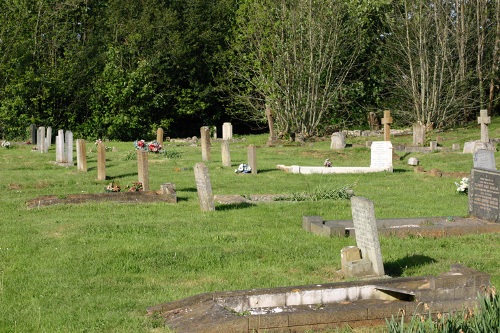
[
  {"x": 365, "y": 226},
  {"x": 60, "y": 156},
  {"x": 204, "y": 187},
  {"x": 41, "y": 142},
  {"x": 227, "y": 131},
  {"x": 484, "y": 159},
  {"x": 69, "y": 147}
]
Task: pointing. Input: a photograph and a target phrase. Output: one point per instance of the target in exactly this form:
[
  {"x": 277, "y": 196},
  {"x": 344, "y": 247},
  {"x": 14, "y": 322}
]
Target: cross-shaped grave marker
[
  {"x": 484, "y": 120},
  {"x": 387, "y": 121}
]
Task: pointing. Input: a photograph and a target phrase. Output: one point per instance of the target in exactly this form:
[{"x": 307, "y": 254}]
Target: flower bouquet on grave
[
  {"x": 136, "y": 187},
  {"x": 113, "y": 187},
  {"x": 140, "y": 145},
  {"x": 463, "y": 186},
  {"x": 154, "y": 147}
]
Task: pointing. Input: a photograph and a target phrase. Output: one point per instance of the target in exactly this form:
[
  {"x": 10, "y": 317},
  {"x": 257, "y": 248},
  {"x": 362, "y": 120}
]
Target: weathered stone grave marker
[
  {"x": 365, "y": 226},
  {"x": 226, "y": 156},
  {"x": 205, "y": 143},
  {"x": 387, "y": 121},
  {"x": 204, "y": 187},
  {"x": 69, "y": 147},
  {"x": 338, "y": 141},
  {"x": 33, "y": 134},
  {"x": 48, "y": 139},
  {"x": 227, "y": 131},
  {"x": 143, "y": 169},
  {"x": 41, "y": 142},
  {"x": 373, "y": 121},
  {"x": 252, "y": 158},
  {"x": 484, "y": 120},
  {"x": 81, "y": 155},
  {"x": 60, "y": 156},
  {"x": 418, "y": 134},
  {"x": 159, "y": 136},
  {"x": 433, "y": 145},
  {"x": 484, "y": 194},
  {"x": 484, "y": 159},
  {"x": 101, "y": 161}
]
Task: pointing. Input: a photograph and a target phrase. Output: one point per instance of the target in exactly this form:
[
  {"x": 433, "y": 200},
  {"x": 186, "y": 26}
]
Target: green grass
[{"x": 96, "y": 267}]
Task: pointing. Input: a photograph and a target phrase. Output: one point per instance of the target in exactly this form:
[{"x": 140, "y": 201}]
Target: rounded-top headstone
[{"x": 413, "y": 161}]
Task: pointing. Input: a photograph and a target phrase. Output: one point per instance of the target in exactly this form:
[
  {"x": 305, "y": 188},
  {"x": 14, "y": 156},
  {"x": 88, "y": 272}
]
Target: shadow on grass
[
  {"x": 234, "y": 206},
  {"x": 400, "y": 170},
  {"x": 396, "y": 268},
  {"x": 121, "y": 176},
  {"x": 189, "y": 189}
]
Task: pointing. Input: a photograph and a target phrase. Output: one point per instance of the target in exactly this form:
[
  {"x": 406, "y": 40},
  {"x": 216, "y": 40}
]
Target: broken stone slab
[
  {"x": 121, "y": 197},
  {"x": 308, "y": 170}
]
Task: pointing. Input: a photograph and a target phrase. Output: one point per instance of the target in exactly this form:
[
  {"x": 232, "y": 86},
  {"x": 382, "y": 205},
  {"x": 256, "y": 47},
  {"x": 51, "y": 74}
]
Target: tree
[{"x": 293, "y": 57}]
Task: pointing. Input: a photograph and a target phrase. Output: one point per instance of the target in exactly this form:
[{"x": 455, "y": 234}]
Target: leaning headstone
[
  {"x": 338, "y": 141},
  {"x": 48, "y": 139},
  {"x": 365, "y": 225},
  {"x": 81, "y": 155},
  {"x": 69, "y": 147},
  {"x": 205, "y": 143},
  {"x": 381, "y": 155},
  {"x": 143, "y": 169},
  {"x": 252, "y": 158},
  {"x": 484, "y": 120},
  {"x": 204, "y": 187},
  {"x": 387, "y": 121},
  {"x": 159, "y": 136},
  {"x": 484, "y": 194},
  {"x": 227, "y": 131},
  {"x": 418, "y": 134},
  {"x": 101, "y": 161},
  {"x": 484, "y": 159},
  {"x": 226, "y": 156},
  {"x": 33, "y": 134}
]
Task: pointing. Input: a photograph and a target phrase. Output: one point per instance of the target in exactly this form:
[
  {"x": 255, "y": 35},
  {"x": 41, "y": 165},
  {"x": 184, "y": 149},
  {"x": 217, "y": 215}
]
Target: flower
[
  {"x": 98, "y": 141},
  {"x": 153, "y": 146},
  {"x": 5, "y": 144},
  {"x": 463, "y": 186},
  {"x": 136, "y": 187},
  {"x": 113, "y": 187}
]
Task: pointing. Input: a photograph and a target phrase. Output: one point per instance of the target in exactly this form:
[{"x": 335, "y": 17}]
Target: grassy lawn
[{"x": 96, "y": 267}]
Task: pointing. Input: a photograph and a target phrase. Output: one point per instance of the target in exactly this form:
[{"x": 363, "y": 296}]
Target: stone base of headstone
[{"x": 471, "y": 147}]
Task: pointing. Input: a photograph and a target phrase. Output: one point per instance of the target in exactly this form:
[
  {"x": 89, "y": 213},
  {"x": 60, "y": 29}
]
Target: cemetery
[{"x": 245, "y": 252}]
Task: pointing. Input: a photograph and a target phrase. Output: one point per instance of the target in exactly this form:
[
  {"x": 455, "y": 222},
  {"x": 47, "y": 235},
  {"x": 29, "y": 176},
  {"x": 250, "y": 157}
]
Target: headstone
[
  {"x": 484, "y": 159},
  {"x": 484, "y": 194},
  {"x": 252, "y": 158},
  {"x": 418, "y": 134},
  {"x": 143, "y": 169},
  {"x": 159, "y": 136},
  {"x": 469, "y": 147},
  {"x": 205, "y": 143},
  {"x": 365, "y": 225},
  {"x": 81, "y": 155},
  {"x": 101, "y": 161},
  {"x": 69, "y": 147},
  {"x": 484, "y": 120},
  {"x": 227, "y": 131},
  {"x": 413, "y": 161},
  {"x": 373, "y": 121},
  {"x": 41, "y": 139},
  {"x": 204, "y": 187},
  {"x": 48, "y": 139},
  {"x": 387, "y": 121},
  {"x": 226, "y": 156},
  {"x": 381, "y": 155},
  {"x": 60, "y": 155},
  {"x": 270, "y": 120},
  {"x": 168, "y": 188},
  {"x": 433, "y": 145},
  {"x": 338, "y": 141},
  {"x": 33, "y": 134}
]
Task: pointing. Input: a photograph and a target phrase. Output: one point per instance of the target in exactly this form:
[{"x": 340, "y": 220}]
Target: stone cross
[
  {"x": 484, "y": 120},
  {"x": 159, "y": 136},
  {"x": 204, "y": 187},
  {"x": 101, "y": 161},
  {"x": 143, "y": 169},
  {"x": 252, "y": 158},
  {"x": 81, "y": 155},
  {"x": 387, "y": 121},
  {"x": 205, "y": 143},
  {"x": 226, "y": 156}
]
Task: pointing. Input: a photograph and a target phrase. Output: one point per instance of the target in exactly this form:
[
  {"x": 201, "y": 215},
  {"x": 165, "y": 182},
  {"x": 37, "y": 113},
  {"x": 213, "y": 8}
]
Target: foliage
[{"x": 321, "y": 192}]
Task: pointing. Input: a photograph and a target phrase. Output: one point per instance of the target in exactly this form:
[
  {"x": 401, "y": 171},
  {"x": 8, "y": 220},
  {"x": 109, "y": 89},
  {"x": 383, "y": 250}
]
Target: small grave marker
[
  {"x": 227, "y": 131},
  {"x": 338, "y": 141},
  {"x": 41, "y": 139},
  {"x": 81, "y": 155},
  {"x": 226, "y": 156},
  {"x": 484, "y": 159},
  {"x": 143, "y": 169},
  {"x": 101, "y": 161},
  {"x": 387, "y": 121},
  {"x": 252, "y": 158},
  {"x": 484, "y": 194},
  {"x": 365, "y": 225},
  {"x": 205, "y": 143},
  {"x": 204, "y": 187},
  {"x": 159, "y": 135}
]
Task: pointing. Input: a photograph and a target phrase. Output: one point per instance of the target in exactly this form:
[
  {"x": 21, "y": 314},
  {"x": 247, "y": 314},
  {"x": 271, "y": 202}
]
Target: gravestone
[
  {"x": 484, "y": 159},
  {"x": 48, "y": 139},
  {"x": 387, "y": 121},
  {"x": 159, "y": 136},
  {"x": 69, "y": 147},
  {"x": 484, "y": 194},
  {"x": 433, "y": 145},
  {"x": 226, "y": 156},
  {"x": 205, "y": 143},
  {"x": 381, "y": 155},
  {"x": 143, "y": 169},
  {"x": 81, "y": 155},
  {"x": 204, "y": 187},
  {"x": 418, "y": 134},
  {"x": 227, "y": 131},
  {"x": 33, "y": 134},
  {"x": 413, "y": 161},
  {"x": 484, "y": 120},
  {"x": 338, "y": 141},
  {"x": 252, "y": 158},
  {"x": 101, "y": 161},
  {"x": 60, "y": 156},
  {"x": 41, "y": 139},
  {"x": 365, "y": 226}
]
